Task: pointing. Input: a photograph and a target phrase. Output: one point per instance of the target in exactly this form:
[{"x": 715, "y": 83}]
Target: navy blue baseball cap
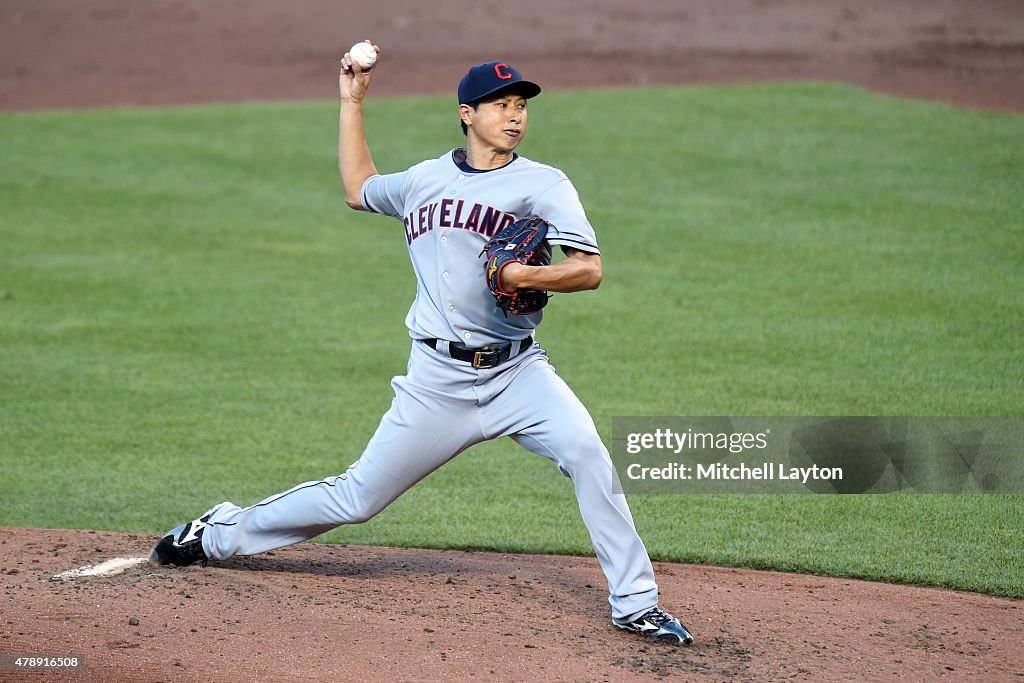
[{"x": 486, "y": 79}]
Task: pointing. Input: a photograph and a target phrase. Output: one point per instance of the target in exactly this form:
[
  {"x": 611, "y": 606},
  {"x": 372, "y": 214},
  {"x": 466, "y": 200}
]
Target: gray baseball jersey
[
  {"x": 449, "y": 210},
  {"x": 444, "y": 405}
]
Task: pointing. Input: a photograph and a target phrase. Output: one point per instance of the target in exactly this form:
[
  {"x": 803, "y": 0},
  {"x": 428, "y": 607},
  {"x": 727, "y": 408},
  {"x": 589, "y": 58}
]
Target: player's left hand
[
  {"x": 519, "y": 245},
  {"x": 511, "y": 274}
]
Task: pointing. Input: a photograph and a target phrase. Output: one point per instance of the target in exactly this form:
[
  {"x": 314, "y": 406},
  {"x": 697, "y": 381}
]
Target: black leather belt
[{"x": 484, "y": 357}]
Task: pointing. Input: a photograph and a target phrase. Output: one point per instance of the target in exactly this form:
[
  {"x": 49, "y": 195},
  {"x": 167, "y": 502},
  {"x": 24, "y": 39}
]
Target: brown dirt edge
[
  {"x": 101, "y": 53},
  {"x": 315, "y": 611},
  {"x": 346, "y": 612}
]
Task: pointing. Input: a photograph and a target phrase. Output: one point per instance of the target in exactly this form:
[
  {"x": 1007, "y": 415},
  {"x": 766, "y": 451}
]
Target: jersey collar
[{"x": 459, "y": 159}]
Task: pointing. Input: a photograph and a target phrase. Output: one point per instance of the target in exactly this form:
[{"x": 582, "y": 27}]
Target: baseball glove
[{"x": 523, "y": 241}]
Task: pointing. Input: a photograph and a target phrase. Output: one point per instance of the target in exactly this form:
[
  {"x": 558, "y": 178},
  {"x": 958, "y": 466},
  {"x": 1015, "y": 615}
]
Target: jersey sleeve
[
  {"x": 560, "y": 205},
  {"x": 384, "y": 194}
]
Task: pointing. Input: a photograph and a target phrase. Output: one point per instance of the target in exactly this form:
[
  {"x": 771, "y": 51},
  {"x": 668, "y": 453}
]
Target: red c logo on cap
[{"x": 502, "y": 75}]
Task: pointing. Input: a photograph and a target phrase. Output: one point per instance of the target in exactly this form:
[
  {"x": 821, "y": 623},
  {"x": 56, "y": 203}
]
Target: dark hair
[
  {"x": 465, "y": 130},
  {"x": 504, "y": 92}
]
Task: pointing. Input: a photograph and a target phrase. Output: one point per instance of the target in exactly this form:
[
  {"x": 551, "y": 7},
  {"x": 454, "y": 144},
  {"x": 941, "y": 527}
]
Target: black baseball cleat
[
  {"x": 659, "y": 624},
  {"x": 183, "y": 545}
]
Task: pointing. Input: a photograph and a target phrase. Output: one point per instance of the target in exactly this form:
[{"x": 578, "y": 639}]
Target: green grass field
[{"x": 189, "y": 313}]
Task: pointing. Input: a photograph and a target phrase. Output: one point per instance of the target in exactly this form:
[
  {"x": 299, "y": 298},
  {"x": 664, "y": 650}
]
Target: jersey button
[
  {"x": 451, "y": 307},
  {"x": 444, "y": 238},
  {"x": 462, "y": 177},
  {"x": 467, "y": 335},
  {"x": 445, "y": 275}
]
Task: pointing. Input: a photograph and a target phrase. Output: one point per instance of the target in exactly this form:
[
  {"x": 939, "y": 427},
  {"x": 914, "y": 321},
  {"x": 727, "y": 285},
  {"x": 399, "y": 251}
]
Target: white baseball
[{"x": 364, "y": 55}]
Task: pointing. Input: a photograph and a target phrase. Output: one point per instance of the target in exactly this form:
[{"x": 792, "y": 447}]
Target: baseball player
[{"x": 475, "y": 372}]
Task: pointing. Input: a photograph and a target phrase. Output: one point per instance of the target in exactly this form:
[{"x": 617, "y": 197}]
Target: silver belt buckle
[{"x": 487, "y": 357}]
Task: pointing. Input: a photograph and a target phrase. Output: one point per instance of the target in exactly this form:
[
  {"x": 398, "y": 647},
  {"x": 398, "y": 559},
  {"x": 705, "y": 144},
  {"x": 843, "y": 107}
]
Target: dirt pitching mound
[{"x": 319, "y": 612}]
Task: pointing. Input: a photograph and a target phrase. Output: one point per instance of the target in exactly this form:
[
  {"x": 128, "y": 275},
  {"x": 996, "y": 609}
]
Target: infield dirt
[
  {"x": 359, "y": 613},
  {"x": 319, "y": 612},
  {"x": 87, "y": 53}
]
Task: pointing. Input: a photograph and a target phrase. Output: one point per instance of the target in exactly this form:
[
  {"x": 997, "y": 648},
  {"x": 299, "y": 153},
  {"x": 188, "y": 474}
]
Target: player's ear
[{"x": 466, "y": 114}]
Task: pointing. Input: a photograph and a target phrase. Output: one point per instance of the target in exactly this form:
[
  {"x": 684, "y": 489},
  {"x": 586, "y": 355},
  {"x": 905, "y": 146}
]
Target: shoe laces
[
  {"x": 658, "y": 616},
  {"x": 193, "y": 549}
]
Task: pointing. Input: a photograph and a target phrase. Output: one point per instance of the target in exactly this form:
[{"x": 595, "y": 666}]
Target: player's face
[{"x": 501, "y": 123}]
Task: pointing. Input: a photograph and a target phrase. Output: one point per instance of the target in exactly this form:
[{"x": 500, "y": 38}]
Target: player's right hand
[{"x": 353, "y": 81}]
